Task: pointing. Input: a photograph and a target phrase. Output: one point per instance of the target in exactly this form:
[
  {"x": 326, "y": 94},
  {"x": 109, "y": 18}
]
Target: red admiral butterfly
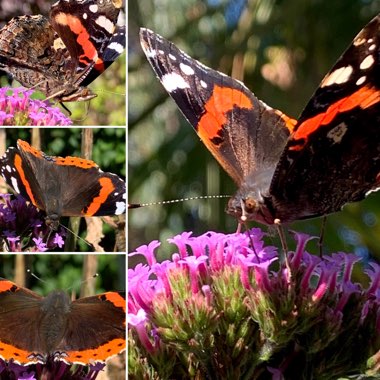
[
  {"x": 62, "y": 186},
  {"x": 285, "y": 169},
  {"x": 35, "y": 329},
  {"x": 63, "y": 55}
]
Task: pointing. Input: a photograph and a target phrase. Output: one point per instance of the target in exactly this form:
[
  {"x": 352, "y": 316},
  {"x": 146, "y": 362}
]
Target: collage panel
[
  {"x": 253, "y": 189},
  {"x": 62, "y": 316},
  {"x": 63, "y": 63},
  {"x": 62, "y": 190}
]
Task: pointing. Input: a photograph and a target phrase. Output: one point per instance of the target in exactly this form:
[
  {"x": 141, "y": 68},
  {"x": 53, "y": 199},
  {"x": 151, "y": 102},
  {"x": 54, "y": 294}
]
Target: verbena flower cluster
[
  {"x": 17, "y": 108},
  {"x": 225, "y": 307},
  {"x": 23, "y": 228},
  {"x": 53, "y": 370}
]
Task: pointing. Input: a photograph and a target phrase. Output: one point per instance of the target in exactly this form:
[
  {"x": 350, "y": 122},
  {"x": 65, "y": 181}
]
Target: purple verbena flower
[
  {"x": 17, "y": 108},
  {"x": 23, "y": 228},
  {"x": 52, "y": 369},
  {"x": 225, "y": 307}
]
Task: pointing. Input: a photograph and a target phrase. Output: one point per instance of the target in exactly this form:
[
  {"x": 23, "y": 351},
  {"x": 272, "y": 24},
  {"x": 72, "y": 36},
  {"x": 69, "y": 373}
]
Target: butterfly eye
[{"x": 250, "y": 204}]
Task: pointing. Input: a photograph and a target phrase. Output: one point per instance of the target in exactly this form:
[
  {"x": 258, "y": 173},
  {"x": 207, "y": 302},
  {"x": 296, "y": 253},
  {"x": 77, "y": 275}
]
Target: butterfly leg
[
  {"x": 322, "y": 235},
  {"x": 281, "y": 234},
  {"x": 250, "y": 238}
]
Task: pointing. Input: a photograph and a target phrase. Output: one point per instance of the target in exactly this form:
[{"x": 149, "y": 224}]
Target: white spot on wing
[
  {"x": 93, "y": 8},
  {"x": 120, "y": 208},
  {"x": 172, "y": 57},
  {"x": 341, "y": 75},
  {"x": 85, "y": 16},
  {"x": 361, "y": 80},
  {"x": 186, "y": 69},
  {"x": 150, "y": 53},
  {"x": 367, "y": 62},
  {"x": 15, "y": 185},
  {"x": 372, "y": 47},
  {"x": 173, "y": 81},
  {"x": 203, "y": 84},
  {"x": 116, "y": 46},
  {"x": 105, "y": 23}
]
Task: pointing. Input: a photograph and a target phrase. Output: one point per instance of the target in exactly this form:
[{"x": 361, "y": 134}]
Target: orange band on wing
[
  {"x": 75, "y": 161},
  {"x": 289, "y": 122},
  {"x": 99, "y": 354},
  {"x": 107, "y": 187},
  {"x": 83, "y": 39},
  {"x": 20, "y": 171},
  {"x": 115, "y": 298},
  {"x": 221, "y": 101},
  {"x": 6, "y": 285},
  {"x": 23, "y": 145},
  {"x": 363, "y": 98},
  {"x": 68, "y": 161},
  {"x": 8, "y": 352}
]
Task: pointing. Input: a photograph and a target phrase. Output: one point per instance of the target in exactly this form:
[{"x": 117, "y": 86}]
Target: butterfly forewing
[
  {"x": 242, "y": 132},
  {"x": 338, "y": 134}
]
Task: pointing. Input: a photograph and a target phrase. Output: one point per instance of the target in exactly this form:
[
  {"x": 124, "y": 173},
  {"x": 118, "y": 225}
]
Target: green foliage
[
  {"x": 65, "y": 272},
  {"x": 109, "y": 107}
]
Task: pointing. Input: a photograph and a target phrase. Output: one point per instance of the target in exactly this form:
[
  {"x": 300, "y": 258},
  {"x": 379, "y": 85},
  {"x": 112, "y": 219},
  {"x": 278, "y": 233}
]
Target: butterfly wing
[
  {"x": 18, "y": 174},
  {"x": 115, "y": 47},
  {"x": 95, "y": 329},
  {"x": 242, "y": 132},
  {"x": 20, "y": 313},
  {"x": 333, "y": 156},
  {"x": 87, "y": 31},
  {"x": 32, "y": 52},
  {"x": 73, "y": 186}
]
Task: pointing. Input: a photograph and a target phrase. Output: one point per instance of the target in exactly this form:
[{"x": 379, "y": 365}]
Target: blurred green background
[
  {"x": 64, "y": 272},
  {"x": 108, "y": 152},
  {"x": 109, "y": 107},
  {"x": 281, "y": 50}
]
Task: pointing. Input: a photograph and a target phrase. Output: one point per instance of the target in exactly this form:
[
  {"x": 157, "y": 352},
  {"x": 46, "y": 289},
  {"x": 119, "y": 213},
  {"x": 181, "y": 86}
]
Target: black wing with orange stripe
[
  {"x": 333, "y": 156},
  {"x": 62, "y": 186},
  {"x": 242, "y": 132},
  {"x": 94, "y": 41}
]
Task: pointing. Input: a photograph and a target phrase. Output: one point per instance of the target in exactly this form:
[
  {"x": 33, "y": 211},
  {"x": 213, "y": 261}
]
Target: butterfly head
[
  {"x": 52, "y": 221},
  {"x": 249, "y": 206}
]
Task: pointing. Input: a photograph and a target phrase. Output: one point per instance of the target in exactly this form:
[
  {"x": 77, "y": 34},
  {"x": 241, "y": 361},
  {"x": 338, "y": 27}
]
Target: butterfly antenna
[
  {"x": 80, "y": 238},
  {"x": 138, "y": 205},
  {"x": 35, "y": 276},
  {"x": 110, "y": 92},
  {"x": 83, "y": 281}
]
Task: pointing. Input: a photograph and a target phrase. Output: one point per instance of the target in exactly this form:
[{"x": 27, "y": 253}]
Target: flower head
[
  {"x": 52, "y": 369},
  {"x": 17, "y": 108},
  {"x": 225, "y": 307},
  {"x": 23, "y": 228}
]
